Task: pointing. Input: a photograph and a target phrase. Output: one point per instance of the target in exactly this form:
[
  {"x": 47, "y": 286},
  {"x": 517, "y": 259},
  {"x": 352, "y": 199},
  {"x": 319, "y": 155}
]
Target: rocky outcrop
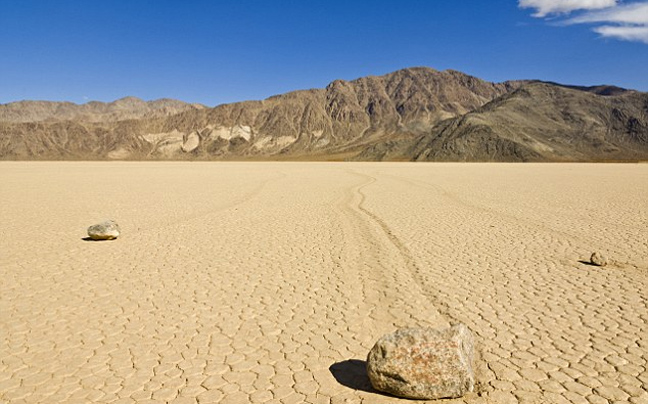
[{"x": 423, "y": 363}]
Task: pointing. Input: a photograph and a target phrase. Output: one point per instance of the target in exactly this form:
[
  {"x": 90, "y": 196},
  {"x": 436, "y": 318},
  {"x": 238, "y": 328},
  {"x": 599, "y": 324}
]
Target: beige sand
[{"x": 269, "y": 282}]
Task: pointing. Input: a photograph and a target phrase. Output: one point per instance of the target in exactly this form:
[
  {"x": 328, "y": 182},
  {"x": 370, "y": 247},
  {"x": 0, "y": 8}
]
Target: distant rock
[
  {"x": 598, "y": 259},
  {"x": 423, "y": 363},
  {"x": 108, "y": 230}
]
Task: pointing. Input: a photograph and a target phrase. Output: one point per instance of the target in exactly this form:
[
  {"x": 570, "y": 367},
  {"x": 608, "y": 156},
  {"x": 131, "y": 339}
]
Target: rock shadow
[
  {"x": 588, "y": 263},
  {"x": 92, "y": 239},
  {"x": 352, "y": 373}
]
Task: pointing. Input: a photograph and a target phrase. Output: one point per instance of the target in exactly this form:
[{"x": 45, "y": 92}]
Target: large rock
[
  {"x": 423, "y": 363},
  {"x": 107, "y": 230}
]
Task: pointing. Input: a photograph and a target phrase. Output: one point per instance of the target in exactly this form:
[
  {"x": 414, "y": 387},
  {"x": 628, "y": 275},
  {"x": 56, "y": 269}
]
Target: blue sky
[{"x": 215, "y": 52}]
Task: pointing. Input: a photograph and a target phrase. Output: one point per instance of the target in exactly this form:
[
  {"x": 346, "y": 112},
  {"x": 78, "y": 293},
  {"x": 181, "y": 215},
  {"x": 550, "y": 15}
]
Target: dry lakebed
[{"x": 269, "y": 282}]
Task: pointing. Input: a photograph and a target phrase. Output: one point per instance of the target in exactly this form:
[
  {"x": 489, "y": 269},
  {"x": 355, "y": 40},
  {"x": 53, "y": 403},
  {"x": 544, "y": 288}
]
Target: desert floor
[{"x": 270, "y": 282}]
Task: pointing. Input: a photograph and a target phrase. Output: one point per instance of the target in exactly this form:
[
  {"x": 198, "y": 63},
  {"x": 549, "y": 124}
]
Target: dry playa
[{"x": 270, "y": 282}]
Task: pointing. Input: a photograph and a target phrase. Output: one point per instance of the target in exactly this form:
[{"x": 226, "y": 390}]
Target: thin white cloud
[
  {"x": 627, "y": 33},
  {"x": 633, "y": 13},
  {"x": 625, "y": 21},
  {"x": 546, "y": 7}
]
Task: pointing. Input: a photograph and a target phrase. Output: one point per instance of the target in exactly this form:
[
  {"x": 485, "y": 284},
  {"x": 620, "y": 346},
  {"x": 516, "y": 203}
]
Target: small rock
[
  {"x": 598, "y": 259},
  {"x": 423, "y": 363},
  {"x": 108, "y": 230}
]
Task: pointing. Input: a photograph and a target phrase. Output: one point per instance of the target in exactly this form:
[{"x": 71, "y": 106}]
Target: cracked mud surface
[{"x": 270, "y": 282}]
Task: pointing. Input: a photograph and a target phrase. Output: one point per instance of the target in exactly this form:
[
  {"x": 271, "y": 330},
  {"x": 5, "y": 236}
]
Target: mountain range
[{"x": 414, "y": 114}]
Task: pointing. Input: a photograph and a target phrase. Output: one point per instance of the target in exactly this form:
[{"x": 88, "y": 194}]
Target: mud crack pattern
[{"x": 270, "y": 282}]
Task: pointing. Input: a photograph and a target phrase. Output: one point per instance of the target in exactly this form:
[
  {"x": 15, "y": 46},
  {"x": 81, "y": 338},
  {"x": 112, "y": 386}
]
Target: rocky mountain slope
[
  {"x": 536, "y": 122},
  {"x": 412, "y": 114},
  {"x": 541, "y": 122}
]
